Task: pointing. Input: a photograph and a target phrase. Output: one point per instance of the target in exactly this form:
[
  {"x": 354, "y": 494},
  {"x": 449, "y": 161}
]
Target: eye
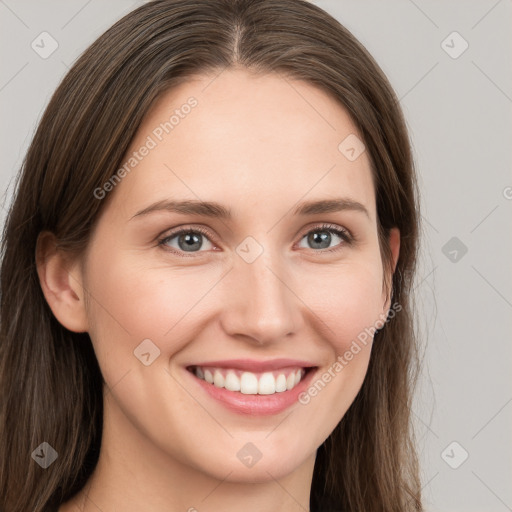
[
  {"x": 191, "y": 239},
  {"x": 187, "y": 240},
  {"x": 321, "y": 237}
]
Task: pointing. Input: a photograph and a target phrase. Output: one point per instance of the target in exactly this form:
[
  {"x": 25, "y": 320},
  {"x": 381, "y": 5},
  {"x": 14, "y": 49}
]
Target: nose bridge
[{"x": 262, "y": 305}]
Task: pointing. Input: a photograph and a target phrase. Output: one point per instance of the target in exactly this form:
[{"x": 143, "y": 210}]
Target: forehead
[{"x": 253, "y": 141}]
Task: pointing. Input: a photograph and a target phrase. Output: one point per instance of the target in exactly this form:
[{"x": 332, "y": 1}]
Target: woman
[{"x": 172, "y": 335}]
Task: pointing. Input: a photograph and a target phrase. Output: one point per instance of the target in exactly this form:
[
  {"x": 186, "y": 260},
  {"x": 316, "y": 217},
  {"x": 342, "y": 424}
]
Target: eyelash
[{"x": 343, "y": 233}]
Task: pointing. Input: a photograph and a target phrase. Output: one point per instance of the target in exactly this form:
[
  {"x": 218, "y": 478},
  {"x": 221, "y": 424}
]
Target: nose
[{"x": 259, "y": 302}]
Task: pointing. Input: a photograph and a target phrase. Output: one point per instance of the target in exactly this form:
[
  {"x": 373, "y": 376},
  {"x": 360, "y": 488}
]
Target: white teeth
[
  {"x": 290, "y": 381},
  {"x": 281, "y": 383},
  {"x": 267, "y": 384},
  {"x": 218, "y": 379},
  {"x": 232, "y": 382},
  {"x": 249, "y": 383}
]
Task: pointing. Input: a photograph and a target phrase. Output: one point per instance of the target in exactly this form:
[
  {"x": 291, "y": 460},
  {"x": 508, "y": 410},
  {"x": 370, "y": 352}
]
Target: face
[{"x": 259, "y": 288}]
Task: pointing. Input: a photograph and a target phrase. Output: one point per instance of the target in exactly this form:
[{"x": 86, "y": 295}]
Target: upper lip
[{"x": 253, "y": 365}]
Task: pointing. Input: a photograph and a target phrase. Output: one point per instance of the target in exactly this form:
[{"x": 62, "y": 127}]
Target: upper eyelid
[{"x": 327, "y": 226}]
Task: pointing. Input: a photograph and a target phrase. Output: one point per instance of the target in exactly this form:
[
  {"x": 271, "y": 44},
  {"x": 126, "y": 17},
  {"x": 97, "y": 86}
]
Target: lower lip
[{"x": 255, "y": 405}]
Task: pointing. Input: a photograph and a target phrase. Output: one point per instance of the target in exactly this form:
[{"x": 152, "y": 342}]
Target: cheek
[
  {"x": 347, "y": 314},
  {"x": 131, "y": 302},
  {"x": 350, "y": 302}
]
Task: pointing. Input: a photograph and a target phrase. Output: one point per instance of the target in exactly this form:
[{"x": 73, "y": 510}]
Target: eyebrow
[{"x": 216, "y": 210}]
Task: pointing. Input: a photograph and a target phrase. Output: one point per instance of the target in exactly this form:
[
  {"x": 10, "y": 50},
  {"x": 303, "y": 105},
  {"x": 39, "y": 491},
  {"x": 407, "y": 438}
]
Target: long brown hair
[{"x": 50, "y": 381}]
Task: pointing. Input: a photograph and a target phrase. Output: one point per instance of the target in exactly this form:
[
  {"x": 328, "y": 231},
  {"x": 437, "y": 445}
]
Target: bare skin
[{"x": 259, "y": 147}]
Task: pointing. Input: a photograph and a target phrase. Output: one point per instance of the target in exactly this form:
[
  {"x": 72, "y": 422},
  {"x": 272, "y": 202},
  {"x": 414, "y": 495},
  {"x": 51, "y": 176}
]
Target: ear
[
  {"x": 394, "y": 245},
  {"x": 61, "y": 282}
]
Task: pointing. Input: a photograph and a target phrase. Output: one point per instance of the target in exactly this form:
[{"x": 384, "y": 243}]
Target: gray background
[{"x": 458, "y": 112}]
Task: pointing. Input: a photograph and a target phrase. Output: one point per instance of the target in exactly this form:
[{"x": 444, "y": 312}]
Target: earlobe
[{"x": 61, "y": 283}]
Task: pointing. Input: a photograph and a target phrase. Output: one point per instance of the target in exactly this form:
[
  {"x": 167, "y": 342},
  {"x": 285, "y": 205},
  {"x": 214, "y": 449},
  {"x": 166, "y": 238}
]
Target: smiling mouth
[{"x": 251, "y": 383}]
